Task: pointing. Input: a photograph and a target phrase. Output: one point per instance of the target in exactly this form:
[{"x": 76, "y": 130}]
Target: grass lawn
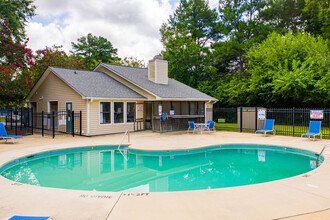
[{"x": 280, "y": 129}]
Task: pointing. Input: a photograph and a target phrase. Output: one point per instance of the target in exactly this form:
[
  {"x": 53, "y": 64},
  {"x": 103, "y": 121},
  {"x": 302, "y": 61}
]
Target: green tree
[
  {"x": 16, "y": 62},
  {"x": 17, "y": 13},
  {"x": 130, "y": 61},
  {"x": 284, "y": 15},
  {"x": 317, "y": 17},
  {"x": 55, "y": 57},
  {"x": 242, "y": 27},
  {"x": 92, "y": 49},
  {"x": 292, "y": 70},
  {"x": 187, "y": 37}
]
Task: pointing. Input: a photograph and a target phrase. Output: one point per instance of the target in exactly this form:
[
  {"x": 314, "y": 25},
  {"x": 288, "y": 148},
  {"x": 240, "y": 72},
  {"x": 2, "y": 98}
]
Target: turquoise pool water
[{"x": 105, "y": 169}]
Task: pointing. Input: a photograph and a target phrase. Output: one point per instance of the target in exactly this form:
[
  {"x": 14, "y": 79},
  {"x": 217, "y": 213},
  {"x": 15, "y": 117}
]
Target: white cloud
[{"x": 132, "y": 26}]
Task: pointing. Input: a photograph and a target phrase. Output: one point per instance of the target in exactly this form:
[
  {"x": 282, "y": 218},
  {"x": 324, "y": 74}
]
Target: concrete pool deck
[{"x": 305, "y": 196}]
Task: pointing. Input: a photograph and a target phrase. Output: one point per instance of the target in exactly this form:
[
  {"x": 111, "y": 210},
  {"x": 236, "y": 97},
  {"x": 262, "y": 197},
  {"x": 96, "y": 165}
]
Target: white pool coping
[{"x": 300, "y": 196}]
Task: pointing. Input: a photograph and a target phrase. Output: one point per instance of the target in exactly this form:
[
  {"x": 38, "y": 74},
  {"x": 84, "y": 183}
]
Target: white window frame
[
  {"x": 111, "y": 113},
  {"x": 126, "y": 112}
]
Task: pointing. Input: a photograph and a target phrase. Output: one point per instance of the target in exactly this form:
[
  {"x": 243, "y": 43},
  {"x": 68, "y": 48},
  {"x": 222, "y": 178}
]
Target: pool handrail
[
  {"x": 325, "y": 146},
  {"x": 128, "y": 139}
]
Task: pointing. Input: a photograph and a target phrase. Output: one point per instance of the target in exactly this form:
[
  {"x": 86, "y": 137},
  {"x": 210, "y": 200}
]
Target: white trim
[
  {"x": 48, "y": 105},
  {"x": 123, "y": 114},
  {"x": 135, "y": 117},
  {"x": 184, "y": 99},
  {"x": 88, "y": 116},
  {"x": 36, "y": 105},
  {"x": 111, "y": 110},
  {"x": 205, "y": 117},
  {"x": 119, "y": 99}
]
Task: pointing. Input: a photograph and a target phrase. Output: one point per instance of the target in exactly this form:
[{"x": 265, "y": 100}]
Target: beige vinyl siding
[
  {"x": 54, "y": 89},
  {"x": 161, "y": 69},
  {"x": 126, "y": 83},
  {"x": 97, "y": 129},
  {"x": 151, "y": 71}
]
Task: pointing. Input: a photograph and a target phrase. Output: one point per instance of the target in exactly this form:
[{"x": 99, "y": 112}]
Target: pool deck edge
[{"x": 292, "y": 198}]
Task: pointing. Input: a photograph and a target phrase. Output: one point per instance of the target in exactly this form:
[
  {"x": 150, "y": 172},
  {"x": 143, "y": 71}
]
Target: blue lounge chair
[
  {"x": 269, "y": 127},
  {"x": 4, "y": 136},
  {"x": 18, "y": 217},
  {"x": 192, "y": 126},
  {"x": 314, "y": 129},
  {"x": 210, "y": 126}
]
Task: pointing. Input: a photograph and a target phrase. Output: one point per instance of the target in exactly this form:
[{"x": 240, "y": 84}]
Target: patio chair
[
  {"x": 192, "y": 126},
  {"x": 210, "y": 126},
  {"x": 18, "y": 217},
  {"x": 4, "y": 136},
  {"x": 269, "y": 127},
  {"x": 314, "y": 129}
]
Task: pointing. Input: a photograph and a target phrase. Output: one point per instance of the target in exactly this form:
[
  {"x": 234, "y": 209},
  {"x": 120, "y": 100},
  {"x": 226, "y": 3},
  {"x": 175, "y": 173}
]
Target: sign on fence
[
  {"x": 160, "y": 111},
  {"x": 316, "y": 114},
  {"x": 4, "y": 112},
  {"x": 262, "y": 114},
  {"x": 139, "y": 108}
]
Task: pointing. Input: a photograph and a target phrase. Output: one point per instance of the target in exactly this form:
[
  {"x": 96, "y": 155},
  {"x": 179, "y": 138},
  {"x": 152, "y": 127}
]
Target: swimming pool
[{"x": 106, "y": 169}]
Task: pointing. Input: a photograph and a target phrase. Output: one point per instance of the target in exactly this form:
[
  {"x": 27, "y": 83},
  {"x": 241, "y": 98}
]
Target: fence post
[
  {"x": 53, "y": 121},
  {"x": 21, "y": 118},
  {"x": 16, "y": 121},
  {"x": 80, "y": 123},
  {"x": 241, "y": 119},
  {"x": 293, "y": 121},
  {"x": 32, "y": 120},
  {"x": 72, "y": 116},
  {"x": 256, "y": 117},
  {"x": 42, "y": 123},
  {"x": 11, "y": 119}
]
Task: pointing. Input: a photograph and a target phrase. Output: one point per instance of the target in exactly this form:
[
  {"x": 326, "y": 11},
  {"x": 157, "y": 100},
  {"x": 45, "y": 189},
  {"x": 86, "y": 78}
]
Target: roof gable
[{"x": 90, "y": 84}]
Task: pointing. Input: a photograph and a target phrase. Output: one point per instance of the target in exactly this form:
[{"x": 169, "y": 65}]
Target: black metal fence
[
  {"x": 288, "y": 121},
  {"x": 24, "y": 121}
]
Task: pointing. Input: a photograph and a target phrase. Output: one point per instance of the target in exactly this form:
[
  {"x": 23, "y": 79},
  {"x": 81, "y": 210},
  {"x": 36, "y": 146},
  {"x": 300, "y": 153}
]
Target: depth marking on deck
[{"x": 95, "y": 196}]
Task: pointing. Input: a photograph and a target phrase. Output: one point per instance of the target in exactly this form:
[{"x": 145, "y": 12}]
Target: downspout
[{"x": 88, "y": 115}]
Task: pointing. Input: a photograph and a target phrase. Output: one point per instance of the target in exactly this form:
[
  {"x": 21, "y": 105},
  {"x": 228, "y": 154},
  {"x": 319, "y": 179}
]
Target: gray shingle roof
[
  {"x": 174, "y": 89},
  {"x": 95, "y": 84}
]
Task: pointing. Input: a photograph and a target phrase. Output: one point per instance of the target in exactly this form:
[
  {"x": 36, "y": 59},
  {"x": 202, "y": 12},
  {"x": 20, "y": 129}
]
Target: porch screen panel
[
  {"x": 166, "y": 107},
  {"x": 105, "y": 112},
  {"x": 176, "y": 107},
  {"x": 118, "y": 112},
  {"x": 193, "y": 108},
  {"x": 201, "y": 107},
  {"x": 185, "y": 108}
]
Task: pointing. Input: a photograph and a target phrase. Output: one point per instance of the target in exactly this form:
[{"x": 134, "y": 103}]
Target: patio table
[{"x": 201, "y": 126}]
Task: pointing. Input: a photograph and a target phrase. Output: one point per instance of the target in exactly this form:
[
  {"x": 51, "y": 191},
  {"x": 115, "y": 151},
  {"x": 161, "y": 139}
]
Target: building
[{"x": 115, "y": 98}]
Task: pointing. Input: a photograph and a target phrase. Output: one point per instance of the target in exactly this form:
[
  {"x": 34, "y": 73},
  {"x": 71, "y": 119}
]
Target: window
[
  {"x": 105, "y": 112},
  {"x": 130, "y": 111},
  {"x": 118, "y": 115}
]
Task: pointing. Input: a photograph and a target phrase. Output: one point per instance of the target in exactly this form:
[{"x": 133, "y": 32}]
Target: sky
[{"x": 132, "y": 26}]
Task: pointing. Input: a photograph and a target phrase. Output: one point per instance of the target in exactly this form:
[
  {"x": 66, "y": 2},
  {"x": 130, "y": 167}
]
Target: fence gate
[{"x": 23, "y": 121}]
